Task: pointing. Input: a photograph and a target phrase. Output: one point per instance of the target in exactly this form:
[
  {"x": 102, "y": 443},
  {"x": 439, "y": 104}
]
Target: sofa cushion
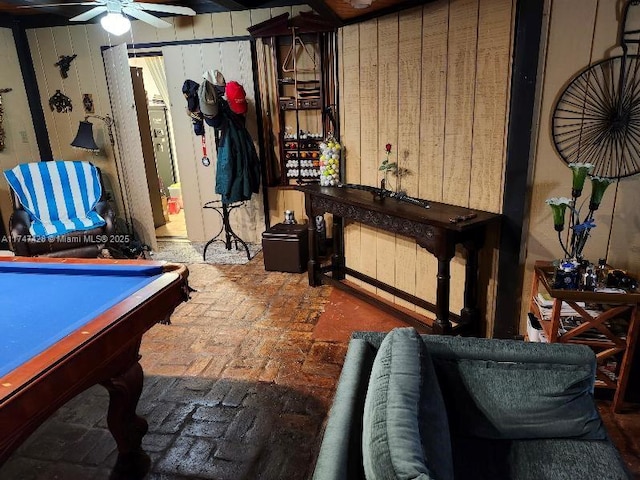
[
  {"x": 489, "y": 396},
  {"x": 480, "y": 458},
  {"x": 405, "y": 429},
  {"x": 566, "y": 460}
]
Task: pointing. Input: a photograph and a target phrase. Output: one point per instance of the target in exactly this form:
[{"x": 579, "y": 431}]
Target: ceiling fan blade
[
  {"x": 145, "y": 17},
  {"x": 158, "y": 7},
  {"x": 46, "y": 5},
  {"x": 89, "y": 14}
]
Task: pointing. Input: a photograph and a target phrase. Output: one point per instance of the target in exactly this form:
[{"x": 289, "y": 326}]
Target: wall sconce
[{"x": 84, "y": 138}]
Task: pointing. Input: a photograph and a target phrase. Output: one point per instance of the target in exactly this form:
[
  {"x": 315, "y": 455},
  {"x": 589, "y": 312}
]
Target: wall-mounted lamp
[
  {"x": 85, "y": 141},
  {"x": 84, "y": 138},
  {"x": 115, "y": 23}
]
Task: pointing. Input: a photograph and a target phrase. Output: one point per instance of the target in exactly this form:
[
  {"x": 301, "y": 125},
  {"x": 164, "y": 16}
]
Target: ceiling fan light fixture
[
  {"x": 360, "y": 3},
  {"x": 115, "y": 23}
]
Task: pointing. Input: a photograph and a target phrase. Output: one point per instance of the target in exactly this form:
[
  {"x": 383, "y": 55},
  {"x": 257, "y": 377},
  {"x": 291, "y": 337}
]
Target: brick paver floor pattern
[{"x": 235, "y": 388}]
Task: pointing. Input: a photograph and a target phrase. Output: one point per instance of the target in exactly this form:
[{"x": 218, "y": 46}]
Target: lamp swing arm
[
  {"x": 85, "y": 140},
  {"x": 108, "y": 121}
]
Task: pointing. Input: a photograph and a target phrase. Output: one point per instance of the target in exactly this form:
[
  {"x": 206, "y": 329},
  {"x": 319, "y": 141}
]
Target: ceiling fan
[{"x": 114, "y": 21}]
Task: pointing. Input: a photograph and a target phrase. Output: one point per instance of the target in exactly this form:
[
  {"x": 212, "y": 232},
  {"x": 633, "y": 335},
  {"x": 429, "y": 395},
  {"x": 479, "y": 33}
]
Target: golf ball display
[{"x": 330, "y": 162}]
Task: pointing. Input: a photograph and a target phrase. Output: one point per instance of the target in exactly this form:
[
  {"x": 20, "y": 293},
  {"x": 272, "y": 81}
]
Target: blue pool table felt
[{"x": 43, "y": 303}]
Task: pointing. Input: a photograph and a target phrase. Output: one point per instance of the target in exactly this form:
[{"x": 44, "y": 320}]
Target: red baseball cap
[{"x": 237, "y": 98}]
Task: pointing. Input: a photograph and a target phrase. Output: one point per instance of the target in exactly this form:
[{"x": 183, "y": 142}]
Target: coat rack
[{"x": 224, "y": 210}]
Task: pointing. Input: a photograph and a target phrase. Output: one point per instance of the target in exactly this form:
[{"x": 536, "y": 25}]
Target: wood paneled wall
[
  {"x": 86, "y": 75},
  {"x": 434, "y": 82},
  {"x": 184, "y": 61},
  {"x": 579, "y": 32},
  {"x": 20, "y": 142}
]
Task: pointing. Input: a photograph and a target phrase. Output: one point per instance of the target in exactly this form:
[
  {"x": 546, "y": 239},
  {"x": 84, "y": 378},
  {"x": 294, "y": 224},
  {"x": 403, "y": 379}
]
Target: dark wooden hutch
[{"x": 297, "y": 74}]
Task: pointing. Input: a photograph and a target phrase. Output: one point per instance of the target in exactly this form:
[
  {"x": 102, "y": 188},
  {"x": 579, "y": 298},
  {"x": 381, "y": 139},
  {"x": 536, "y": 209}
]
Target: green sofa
[{"x": 411, "y": 406}]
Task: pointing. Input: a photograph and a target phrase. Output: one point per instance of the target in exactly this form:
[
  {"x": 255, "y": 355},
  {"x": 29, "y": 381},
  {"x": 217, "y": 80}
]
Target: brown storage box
[{"x": 286, "y": 248}]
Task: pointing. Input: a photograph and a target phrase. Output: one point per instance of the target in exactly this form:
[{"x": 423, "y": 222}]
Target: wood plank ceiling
[{"x": 340, "y": 12}]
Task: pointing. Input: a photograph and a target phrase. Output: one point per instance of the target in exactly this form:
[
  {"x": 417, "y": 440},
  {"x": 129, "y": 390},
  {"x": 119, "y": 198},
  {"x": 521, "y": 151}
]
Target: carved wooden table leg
[
  {"x": 470, "y": 314},
  {"x": 126, "y": 427},
  {"x": 313, "y": 266},
  {"x": 337, "y": 259},
  {"x": 442, "y": 323}
]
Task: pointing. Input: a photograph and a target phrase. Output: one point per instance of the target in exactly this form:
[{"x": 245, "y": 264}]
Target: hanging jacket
[
  {"x": 190, "y": 92},
  {"x": 238, "y": 167}
]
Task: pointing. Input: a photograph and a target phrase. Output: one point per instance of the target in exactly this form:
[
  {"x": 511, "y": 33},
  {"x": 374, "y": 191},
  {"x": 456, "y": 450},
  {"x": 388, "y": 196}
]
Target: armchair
[{"x": 59, "y": 210}]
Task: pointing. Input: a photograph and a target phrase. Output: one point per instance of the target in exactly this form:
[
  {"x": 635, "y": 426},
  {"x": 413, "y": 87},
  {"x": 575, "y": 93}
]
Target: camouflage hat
[{"x": 209, "y": 99}]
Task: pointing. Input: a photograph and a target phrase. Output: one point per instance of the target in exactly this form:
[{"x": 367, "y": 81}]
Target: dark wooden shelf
[
  {"x": 287, "y": 81},
  {"x": 304, "y": 83}
]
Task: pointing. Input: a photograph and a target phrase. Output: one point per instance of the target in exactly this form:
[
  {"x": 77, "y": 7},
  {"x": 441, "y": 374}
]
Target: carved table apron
[{"x": 434, "y": 229}]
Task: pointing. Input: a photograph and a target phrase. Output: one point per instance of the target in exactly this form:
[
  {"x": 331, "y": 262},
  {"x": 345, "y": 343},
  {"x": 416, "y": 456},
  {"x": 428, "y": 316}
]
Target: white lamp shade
[{"x": 115, "y": 23}]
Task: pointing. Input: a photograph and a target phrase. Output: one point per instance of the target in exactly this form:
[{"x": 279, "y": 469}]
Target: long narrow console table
[{"x": 438, "y": 229}]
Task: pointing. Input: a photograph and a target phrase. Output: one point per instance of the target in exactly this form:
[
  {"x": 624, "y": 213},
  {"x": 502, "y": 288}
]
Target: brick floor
[{"x": 236, "y": 388}]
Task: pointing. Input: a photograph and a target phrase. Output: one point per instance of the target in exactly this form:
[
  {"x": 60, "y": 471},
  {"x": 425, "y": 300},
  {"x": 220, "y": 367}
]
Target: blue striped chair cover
[{"x": 59, "y": 196}]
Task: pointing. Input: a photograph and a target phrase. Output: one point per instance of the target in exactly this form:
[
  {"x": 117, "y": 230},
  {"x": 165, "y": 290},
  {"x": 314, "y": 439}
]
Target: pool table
[{"x": 68, "y": 324}]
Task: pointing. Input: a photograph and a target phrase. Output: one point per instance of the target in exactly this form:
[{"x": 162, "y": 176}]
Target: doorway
[
  {"x": 197, "y": 178},
  {"x": 156, "y": 126}
]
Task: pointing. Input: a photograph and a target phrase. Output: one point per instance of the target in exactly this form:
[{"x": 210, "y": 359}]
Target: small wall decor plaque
[
  {"x": 60, "y": 102},
  {"x": 64, "y": 64},
  {"x": 87, "y": 102}
]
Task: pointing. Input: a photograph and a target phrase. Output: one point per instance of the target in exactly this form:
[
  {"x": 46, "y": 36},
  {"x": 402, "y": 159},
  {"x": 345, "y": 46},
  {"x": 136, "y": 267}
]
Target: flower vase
[{"x": 378, "y": 195}]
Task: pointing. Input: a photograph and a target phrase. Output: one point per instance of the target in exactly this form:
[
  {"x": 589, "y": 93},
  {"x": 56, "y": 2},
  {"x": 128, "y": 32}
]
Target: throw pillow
[
  {"x": 405, "y": 428},
  {"x": 503, "y": 389}
]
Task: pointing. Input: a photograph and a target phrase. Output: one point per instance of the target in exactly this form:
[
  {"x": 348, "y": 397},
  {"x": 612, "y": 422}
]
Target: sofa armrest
[
  {"x": 340, "y": 456},
  {"x": 19, "y": 224}
]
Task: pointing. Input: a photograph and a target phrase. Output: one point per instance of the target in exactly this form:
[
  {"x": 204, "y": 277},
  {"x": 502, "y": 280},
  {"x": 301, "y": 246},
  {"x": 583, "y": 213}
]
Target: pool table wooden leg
[{"x": 126, "y": 427}]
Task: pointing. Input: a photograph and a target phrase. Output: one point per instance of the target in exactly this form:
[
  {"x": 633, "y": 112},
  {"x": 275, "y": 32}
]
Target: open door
[
  {"x": 129, "y": 157},
  {"x": 144, "y": 125}
]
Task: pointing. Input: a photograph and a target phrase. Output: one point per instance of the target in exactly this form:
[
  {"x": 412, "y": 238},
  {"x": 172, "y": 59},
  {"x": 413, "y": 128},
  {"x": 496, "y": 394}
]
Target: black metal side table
[{"x": 224, "y": 210}]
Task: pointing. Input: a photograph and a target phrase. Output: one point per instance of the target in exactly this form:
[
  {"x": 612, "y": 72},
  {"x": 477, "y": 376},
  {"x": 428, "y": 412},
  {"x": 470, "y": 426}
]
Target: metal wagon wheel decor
[{"x": 596, "y": 119}]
